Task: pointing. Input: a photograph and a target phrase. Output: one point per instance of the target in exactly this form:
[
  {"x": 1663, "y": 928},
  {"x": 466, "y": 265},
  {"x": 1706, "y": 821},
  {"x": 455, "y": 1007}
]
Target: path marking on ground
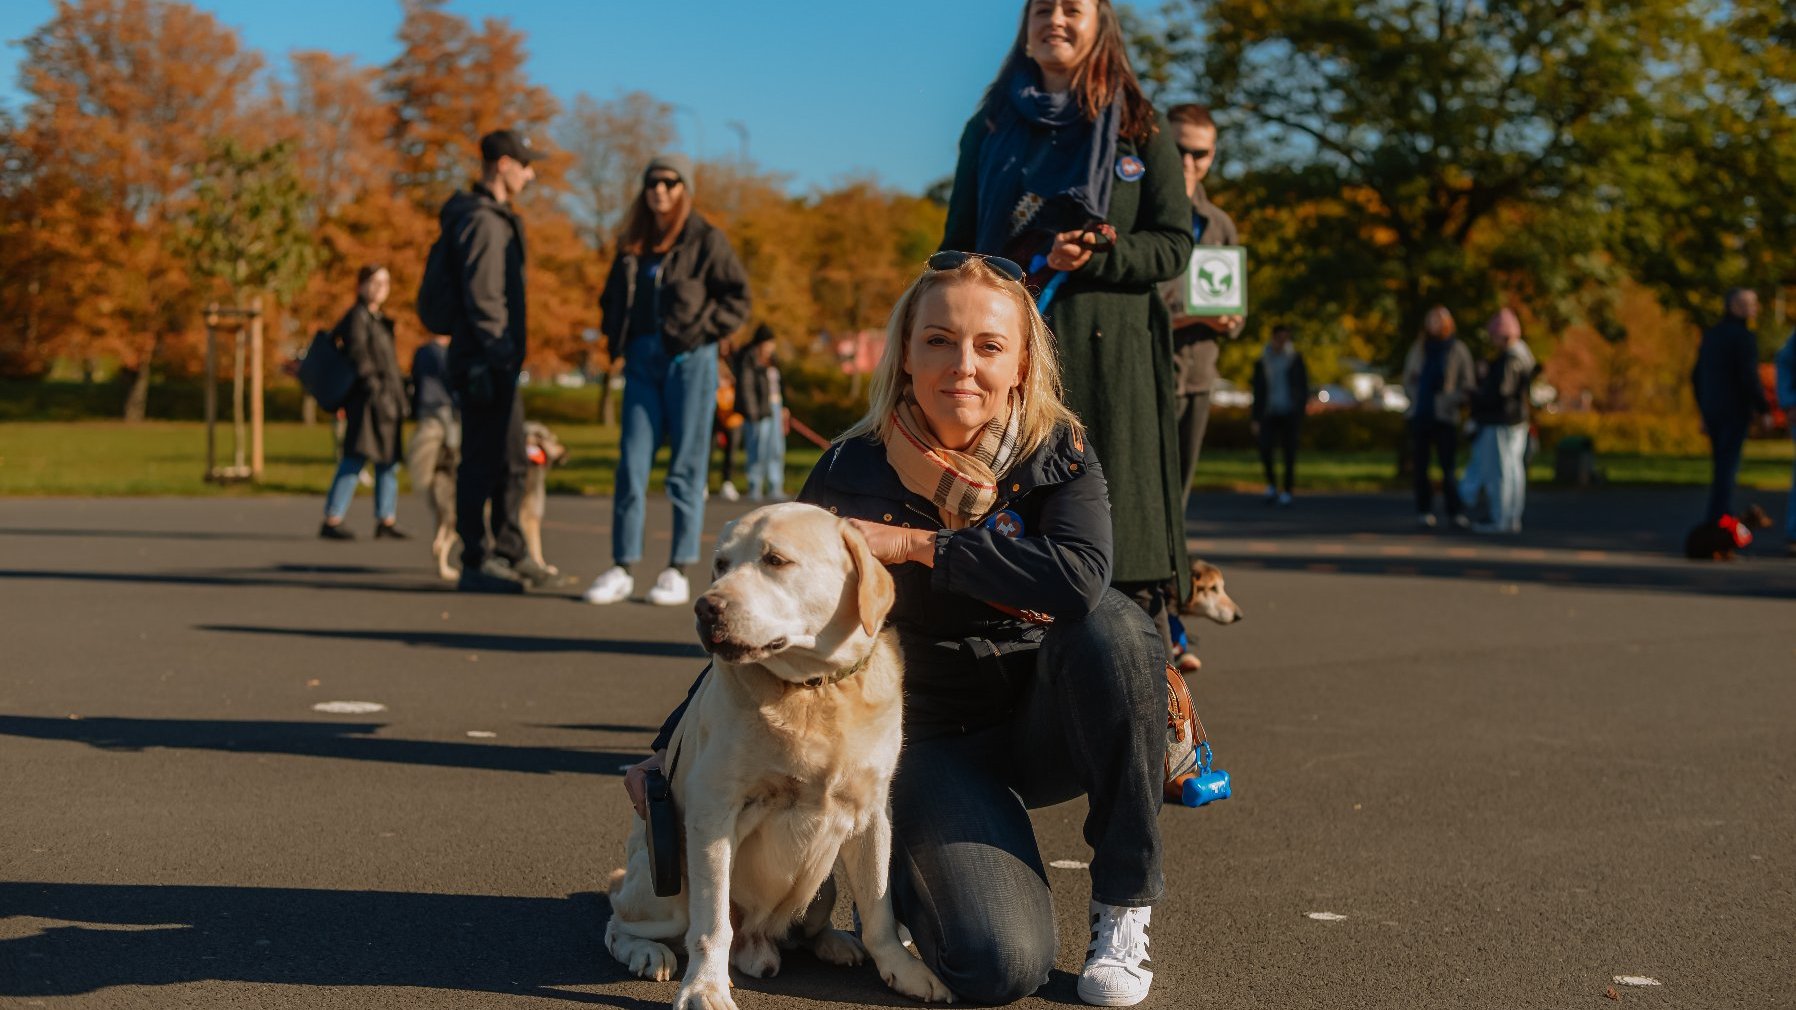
[
  {"x": 482, "y": 734},
  {"x": 1325, "y": 916},
  {"x": 1068, "y": 864},
  {"x": 1640, "y": 980},
  {"x": 349, "y": 707}
]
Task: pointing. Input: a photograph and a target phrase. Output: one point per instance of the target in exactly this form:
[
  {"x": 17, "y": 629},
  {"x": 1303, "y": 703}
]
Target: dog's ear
[{"x": 873, "y": 584}]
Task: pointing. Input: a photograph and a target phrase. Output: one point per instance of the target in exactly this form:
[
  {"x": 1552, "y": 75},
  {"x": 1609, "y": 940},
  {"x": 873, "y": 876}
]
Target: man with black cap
[{"x": 486, "y": 355}]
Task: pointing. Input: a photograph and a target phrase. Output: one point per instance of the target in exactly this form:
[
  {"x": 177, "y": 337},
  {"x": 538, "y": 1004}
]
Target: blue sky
[{"x": 826, "y": 90}]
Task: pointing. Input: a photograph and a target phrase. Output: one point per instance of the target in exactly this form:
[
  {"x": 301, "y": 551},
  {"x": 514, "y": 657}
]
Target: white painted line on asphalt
[
  {"x": 1325, "y": 916},
  {"x": 1068, "y": 864},
  {"x": 482, "y": 734},
  {"x": 349, "y": 707},
  {"x": 1636, "y": 980}
]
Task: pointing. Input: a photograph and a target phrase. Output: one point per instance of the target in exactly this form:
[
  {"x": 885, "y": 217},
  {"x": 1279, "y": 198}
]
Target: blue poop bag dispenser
[{"x": 1191, "y": 777}]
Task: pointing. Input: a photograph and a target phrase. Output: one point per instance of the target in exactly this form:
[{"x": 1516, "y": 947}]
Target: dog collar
[{"x": 839, "y": 675}]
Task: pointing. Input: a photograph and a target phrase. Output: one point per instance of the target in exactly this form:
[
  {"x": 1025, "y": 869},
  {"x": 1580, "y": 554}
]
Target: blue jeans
[
  {"x": 767, "y": 455},
  {"x": 671, "y": 398},
  {"x": 967, "y": 877},
  {"x": 386, "y": 488}
]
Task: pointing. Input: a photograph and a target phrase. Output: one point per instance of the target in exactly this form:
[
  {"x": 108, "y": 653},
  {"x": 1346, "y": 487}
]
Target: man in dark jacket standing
[
  {"x": 1195, "y": 339},
  {"x": 486, "y": 356},
  {"x": 1728, "y": 394}
]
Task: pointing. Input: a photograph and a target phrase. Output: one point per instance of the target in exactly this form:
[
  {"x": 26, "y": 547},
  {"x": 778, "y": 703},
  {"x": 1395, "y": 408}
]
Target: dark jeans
[
  {"x": 967, "y": 877},
  {"x": 1279, "y": 430},
  {"x": 1727, "y": 440},
  {"x": 494, "y": 464},
  {"x": 1194, "y": 419},
  {"x": 1154, "y": 599},
  {"x": 1442, "y": 439}
]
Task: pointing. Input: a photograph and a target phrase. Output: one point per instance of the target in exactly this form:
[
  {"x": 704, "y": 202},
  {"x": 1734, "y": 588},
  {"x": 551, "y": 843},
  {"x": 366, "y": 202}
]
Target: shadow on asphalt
[
  {"x": 1765, "y": 578},
  {"x": 86, "y": 534},
  {"x": 102, "y": 935},
  {"x": 348, "y": 741},
  {"x": 105, "y": 935},
  {"x": 425, "y": 583},
  {"x": 474, "y": 641}
]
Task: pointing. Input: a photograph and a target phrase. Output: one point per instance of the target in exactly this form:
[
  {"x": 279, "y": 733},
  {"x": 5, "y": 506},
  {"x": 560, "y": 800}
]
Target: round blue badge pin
[
  {"x": 1005, "y": 523},
  {"x": 1129, "y": 168}
]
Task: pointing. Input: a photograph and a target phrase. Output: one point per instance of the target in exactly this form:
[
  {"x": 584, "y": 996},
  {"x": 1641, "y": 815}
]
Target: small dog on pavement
[
  {"x": 781, "y": 768},
  {"x": 433, "y": 456},
  {"x": 1208, "y": 598},
  {"x": 1723, "y": 540}
]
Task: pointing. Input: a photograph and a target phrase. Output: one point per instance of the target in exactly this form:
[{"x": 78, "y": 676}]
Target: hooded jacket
[
  {"x": 489, "y": 254},
  {"x": 701, "y": 292}
]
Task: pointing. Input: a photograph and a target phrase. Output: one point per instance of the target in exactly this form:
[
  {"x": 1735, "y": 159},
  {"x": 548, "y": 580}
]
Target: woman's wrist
[{"x": 923, "y": 547}]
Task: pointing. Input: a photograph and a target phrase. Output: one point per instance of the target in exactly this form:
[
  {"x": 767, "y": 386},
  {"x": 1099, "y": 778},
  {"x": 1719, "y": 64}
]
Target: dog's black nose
[{"x": 709, "y": 608}]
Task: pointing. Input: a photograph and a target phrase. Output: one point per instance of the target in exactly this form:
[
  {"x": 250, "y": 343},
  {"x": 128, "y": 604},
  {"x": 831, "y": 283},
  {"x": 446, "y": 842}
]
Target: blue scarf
[{"x": 1044, "y": 166}]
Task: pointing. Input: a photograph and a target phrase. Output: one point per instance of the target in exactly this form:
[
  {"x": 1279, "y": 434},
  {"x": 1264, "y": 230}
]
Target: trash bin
[{"x": 1574, "y": 461}]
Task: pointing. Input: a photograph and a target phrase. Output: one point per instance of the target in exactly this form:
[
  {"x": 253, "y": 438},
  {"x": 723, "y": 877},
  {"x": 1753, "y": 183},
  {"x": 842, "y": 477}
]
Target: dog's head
[
  {"x": 796, "y": 590},
  {"x": 1207, "y": 597},
  {"x": 538, "y": 435}
]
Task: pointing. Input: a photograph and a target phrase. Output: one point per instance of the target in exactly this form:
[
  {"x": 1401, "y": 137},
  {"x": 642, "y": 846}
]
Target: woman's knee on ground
[{"x": 994, "y": 959}]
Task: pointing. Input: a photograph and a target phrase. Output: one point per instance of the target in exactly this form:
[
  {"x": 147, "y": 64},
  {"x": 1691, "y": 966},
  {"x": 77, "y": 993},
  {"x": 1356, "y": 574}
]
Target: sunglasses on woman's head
[
  {"x": 949, "y": 259},
  {"x": 661, "y": 182}
]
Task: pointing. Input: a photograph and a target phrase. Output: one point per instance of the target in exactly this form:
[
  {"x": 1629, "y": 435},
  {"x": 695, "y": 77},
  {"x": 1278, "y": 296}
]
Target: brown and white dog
[
  {"x": 433, "y": 456},
  {"x": 781, "y": 768},
  {"x": 1207, "y": 598}
]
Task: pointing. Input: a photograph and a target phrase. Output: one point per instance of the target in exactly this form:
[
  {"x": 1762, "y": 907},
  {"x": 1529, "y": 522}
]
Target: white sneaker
[
  {"x": 1284, "y": 498},
  {"x": 728, "y": 492},
  {"x": 1428, "y": 519},
  {"x": 611, "y": 587},
  {"x": 1117, "y": 970},
  {"x": 670, "y": 589},
  {"x": 1271, "y": 494}
]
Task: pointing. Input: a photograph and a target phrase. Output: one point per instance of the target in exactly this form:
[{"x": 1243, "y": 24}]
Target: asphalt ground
[{"x": 1502, "y": 772}]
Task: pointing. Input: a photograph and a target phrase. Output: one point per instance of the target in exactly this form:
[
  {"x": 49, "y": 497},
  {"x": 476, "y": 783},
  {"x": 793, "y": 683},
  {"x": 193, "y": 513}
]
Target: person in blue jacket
[
  {"x": 975, "y": 483},
  {"x": 1786, "y": 399}
]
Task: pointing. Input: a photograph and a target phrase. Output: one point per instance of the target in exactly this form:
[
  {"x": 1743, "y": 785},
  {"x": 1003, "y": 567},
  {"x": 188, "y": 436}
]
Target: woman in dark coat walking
[
  {"x": 375, "y": 410},
  {"x": 1063, "y": 144}
]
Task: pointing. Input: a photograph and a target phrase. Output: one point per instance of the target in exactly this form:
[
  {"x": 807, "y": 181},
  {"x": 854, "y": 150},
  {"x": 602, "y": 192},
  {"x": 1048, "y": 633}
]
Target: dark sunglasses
[
  {"x": 661, "y": 183},
  {"x": 1196, "y": 153},
  {"x": 949, "y": 259}
]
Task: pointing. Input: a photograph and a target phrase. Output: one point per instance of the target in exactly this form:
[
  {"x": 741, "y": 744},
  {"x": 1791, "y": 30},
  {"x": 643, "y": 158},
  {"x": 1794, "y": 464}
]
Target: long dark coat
[
  {"x": 377, "y": 405},
  {"x": 1115, "y": 339}
]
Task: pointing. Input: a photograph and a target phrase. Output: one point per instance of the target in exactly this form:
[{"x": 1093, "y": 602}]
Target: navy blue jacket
[
  {"x": 948, "y": 635},
  {"x": 1726, "y": 375}
]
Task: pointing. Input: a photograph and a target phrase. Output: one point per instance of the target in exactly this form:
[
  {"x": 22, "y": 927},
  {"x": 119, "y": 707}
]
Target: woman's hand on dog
[
  {"x": 636, "y": 782},
  {"x": 894, "y": 545}
]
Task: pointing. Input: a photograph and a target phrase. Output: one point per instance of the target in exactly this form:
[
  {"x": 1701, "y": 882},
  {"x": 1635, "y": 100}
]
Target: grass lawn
[{"x": 167, "y": 458}]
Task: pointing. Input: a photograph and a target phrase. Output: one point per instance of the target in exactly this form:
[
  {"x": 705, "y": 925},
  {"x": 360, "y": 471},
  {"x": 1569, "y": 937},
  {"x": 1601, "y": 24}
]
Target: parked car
[
  {"x": 1224, "y": 393},
  {"x": 1330, "y": 397}
]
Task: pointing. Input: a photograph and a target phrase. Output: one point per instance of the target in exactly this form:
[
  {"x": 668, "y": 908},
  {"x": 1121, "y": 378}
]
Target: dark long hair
[
  {"x": 640, "y": 233},
  {"x": 1105, "y": 75}
]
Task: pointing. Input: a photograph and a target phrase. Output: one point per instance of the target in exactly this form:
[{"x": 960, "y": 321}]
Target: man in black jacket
[
  {"x": 1729, "y": 394},
  {"x": 486, "y": 355}
]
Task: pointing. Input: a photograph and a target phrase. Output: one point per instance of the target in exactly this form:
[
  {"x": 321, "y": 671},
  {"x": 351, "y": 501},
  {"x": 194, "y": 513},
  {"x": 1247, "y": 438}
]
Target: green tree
[
  {"x": 1440, "y": 150},
  {"x": 249, "y": 226}
]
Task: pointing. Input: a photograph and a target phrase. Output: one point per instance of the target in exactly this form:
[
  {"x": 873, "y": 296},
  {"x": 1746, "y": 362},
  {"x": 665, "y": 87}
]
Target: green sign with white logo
[{"x": 1216, "y": 281}]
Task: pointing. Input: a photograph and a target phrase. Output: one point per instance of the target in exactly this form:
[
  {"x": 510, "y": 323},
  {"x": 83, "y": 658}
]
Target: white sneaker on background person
[
  {"x": 611, "y": 587},
  {"x": 728, "y": 492},
  {"x": 1284, "y": 499},
  {"x": 1271, "y": 494},
  {"x": 1428, "y": 519},
  {"x": 670, "y": 589},
  {"x": 1117, "y": 969}
]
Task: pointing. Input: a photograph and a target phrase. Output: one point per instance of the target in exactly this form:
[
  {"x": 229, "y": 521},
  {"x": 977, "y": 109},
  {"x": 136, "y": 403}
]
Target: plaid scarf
[{"x": 963, "y": 485}]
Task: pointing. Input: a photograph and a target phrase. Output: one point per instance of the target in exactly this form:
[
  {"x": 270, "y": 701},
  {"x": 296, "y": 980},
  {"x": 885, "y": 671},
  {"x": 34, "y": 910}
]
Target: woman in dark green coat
[{"x": 1064, "y": 143}]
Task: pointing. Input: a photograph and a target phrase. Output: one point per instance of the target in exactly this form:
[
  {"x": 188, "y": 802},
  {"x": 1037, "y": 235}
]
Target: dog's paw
[
  {"x": 912, "y": 978},
  {"x": 837, "y": 947},
  {"x": 645, "y": 958},
  {"x": 756, "y": 956},
  {"x": 705, "y": 994}
]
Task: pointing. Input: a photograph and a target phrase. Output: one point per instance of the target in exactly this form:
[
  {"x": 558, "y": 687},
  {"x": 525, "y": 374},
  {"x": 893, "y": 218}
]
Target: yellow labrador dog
[{"x": 781, "y": 767}]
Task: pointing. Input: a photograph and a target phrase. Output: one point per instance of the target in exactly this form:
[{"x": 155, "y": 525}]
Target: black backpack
[
  {"x": 326, "y": 372},
  {"x": 439, "y": 296}
]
